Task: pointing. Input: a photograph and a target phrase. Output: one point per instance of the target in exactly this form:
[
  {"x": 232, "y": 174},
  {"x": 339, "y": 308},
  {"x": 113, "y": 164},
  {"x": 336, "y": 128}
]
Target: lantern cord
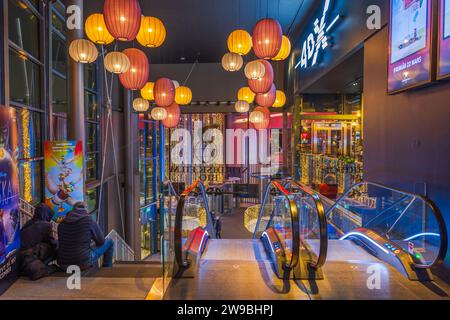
[
  {"x": 295, "y": 18},
  {"x": 192, "y": 69}
]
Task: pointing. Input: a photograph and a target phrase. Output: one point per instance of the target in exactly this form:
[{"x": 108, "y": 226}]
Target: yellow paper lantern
[
  {"x": 96, "y": 30},
  {"x": 183, "y": 95},
  {"x": 232, "y": 62},
  {"x": 280, "y": 100},
  {"x": 117, "y": 62},
  {"x": 255, "y": 70},
  {"x": 242, "y": 106},
  {"x": 140, "y": 105},
  {"x": 246, "y": 94},
  {"x": 152, "y": 32},
  {"x": 240, "y": 42},
  {"x": 83, "y": 51},
  {"x": 285, "y": 50},
  {"x": 159, "y": 113},
  {"x": 147, "y": 91}
]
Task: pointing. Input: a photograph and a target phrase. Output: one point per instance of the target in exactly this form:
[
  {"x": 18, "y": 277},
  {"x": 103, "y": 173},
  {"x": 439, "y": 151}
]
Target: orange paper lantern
[
  {"x": 173, "y": 116},
  {"x": 137, "y": 75},
  {"x": 263, "y": 123},
  {"x": 267, "y": 38},
  {"x": 267, "y": 99},
  {"x": 262, "y": 85},
  {"x": 164, "y": 92},
  {"x": 122, "y": 18}
]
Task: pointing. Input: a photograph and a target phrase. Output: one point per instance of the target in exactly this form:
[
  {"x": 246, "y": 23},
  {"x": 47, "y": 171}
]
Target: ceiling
[{"x": 201, "y": 27}]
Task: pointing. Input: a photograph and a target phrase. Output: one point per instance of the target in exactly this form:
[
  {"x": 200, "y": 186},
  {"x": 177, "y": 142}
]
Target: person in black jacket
[
  {"x": 37, "y": 247},
  {"x": 81, "y": 242}
]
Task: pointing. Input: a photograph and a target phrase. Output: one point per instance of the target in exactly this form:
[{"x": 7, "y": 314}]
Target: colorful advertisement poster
[
  {"x": 409, "y": 44},
  {"x": 9, "y": 198},
  {"x": 444, "y": 40},
  {"x": 64, "y": 176}
]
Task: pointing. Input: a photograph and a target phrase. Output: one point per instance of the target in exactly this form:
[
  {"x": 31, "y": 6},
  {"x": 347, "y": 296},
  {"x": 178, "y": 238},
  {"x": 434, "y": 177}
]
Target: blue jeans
[{"x": 106, "y": 250}]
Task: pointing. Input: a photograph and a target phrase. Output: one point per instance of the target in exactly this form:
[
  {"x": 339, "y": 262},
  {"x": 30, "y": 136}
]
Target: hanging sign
[
  {"x": 444, "y": 40},
  {"x": 64, "y": 176}
]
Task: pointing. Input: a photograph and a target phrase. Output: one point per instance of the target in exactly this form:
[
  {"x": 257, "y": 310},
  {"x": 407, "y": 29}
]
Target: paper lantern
[
  {"x": 285, "y": 50},
  {"x": 152, "y": 32},
  {"x": 246, "y": 94},
  {"x": 173, "y": 116},
  {"x": 280, "y": 100},
  {"x": 136, "y": 77},
  {"x": 122, "y": 18},
  {"x": 267, "y": 38},
  {"x": 96, "y": 30},
  {"x": 183, "y": 95},
  {"x": 262, "y": 85},
  {"x": 158, "y": 113},
  {"x": 240, "y": 42},
  {"x": 117, "y": 62},
  {"x": 147, "y": 91},
  {"x": 256, "y": 116},
  {"x": 176, "y": 84},
  {"x": 232, "y": 62},
  {"x": 255, "y": 70},
  {"x": 83, "y": 51},
  {"x": 267, "y": 99},
  {"x": 140, "y": 105},
  {"x": 261, "y": 118},
  {"x": 242, "y": 106},
  {"x": 164, "y": 92}
]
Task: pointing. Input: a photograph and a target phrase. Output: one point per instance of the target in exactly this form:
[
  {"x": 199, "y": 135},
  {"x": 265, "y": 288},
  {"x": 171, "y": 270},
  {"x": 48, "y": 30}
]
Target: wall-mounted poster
[
  {"x": 409, "y": 44},
  {"x": 64, "y": 176},
  {"x": 9, "y": 198},
  {"x": 444, "y": 40}
]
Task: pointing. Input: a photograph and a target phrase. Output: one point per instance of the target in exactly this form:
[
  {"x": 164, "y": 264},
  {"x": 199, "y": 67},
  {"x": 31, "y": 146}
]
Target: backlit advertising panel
[{"x": 444, "y": 39}]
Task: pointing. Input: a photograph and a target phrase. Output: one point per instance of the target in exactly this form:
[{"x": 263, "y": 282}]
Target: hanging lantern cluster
[
  {"x": 232, "y": 62},
  {"x": 183, "y": 95},
  {"x": 137, "y": 75}
]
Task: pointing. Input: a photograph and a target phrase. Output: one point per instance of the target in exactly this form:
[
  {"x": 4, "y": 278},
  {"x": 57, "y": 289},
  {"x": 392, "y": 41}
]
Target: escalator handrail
[
  {"x": 430, "y": 203},
  {"x": 323, "y": 224},
  {"x": 295, "y": 257},
  {"x": 178, "y": 231}
]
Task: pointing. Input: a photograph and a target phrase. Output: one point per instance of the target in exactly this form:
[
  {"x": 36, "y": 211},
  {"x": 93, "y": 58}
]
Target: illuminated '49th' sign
[{"x": 318, "y": 40}]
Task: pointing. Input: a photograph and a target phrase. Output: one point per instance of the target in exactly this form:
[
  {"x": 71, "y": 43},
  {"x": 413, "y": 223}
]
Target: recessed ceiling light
[{"x": 182, "y": 58}]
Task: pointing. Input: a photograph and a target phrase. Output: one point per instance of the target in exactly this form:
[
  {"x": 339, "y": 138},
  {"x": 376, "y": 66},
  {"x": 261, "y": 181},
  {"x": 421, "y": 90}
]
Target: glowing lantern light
[
  {"x": 136, "y": 77},
  {"x": 280, "y": 100},
  {"x": 256, "y": 116},
  {"x": 117, "y": 62},
  {"x": 96, "y": 29},
  {"x": 255, "y": 70},
  {"x": 140, "y": 105},
  {"x": 285, "y": 50},
  {"x": 147, "y": 91},
  {"x": 262, "y": 85},
  {"x": 246, "y": 94},
  {"x": 164, "y": 92},
  {"x": 122, "y": 18},
  {"x": 261, "y": 118},
  {"x": 240, "y": 42},
  {"x": 152, "y": 32},
  {"x": 158, "y": 113},
  {"x": 176, "y": 84},
  {"x": 173, "y": 116},
  {"x": 183, "y": 95},
  {"x": 232, "y": 62},
  {"x": 83, "y": 51},
  {"x": 267, "y": 38},
  {"x": 267, "y": 99},
  {"x": 242, "y": 106}
]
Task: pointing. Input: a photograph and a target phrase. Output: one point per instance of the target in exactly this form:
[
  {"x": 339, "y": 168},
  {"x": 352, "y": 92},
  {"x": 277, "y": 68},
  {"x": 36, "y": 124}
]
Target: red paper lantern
[
  {"x": 122, "y": 18},
  {"x": 267, "y": 38},
  {"x": 137, "y": 75},
  {"x": 267, "y": 99},
  {"x": 263, "y": 84},
  {"x": 266, "y": 122},
  {"x": 164, "y": 92},
  {"x": 173, "y": 116}
]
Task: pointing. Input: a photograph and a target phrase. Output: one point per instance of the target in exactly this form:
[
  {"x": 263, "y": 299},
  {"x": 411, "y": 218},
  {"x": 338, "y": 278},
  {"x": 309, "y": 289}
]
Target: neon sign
[{"x": 318, "y": 40}]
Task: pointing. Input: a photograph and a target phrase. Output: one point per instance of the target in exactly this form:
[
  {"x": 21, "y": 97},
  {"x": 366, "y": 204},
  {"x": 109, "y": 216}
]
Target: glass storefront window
[
  {"x": 91, "y": 200},
  {"x": 90, "y": 76},
  {"x": 91, "y": 167},
  {"x": 30, "y": 178},
  {"x": 59, "y": 54},
  {"x": 91, "y": 137},
  {"x": 59, "y": 128},
  {"x": 92, "y": 113},
  {"x": 59, "y": 94},
  {"x": 30, "y": 139},
  {"x": 57, "y": 22}
]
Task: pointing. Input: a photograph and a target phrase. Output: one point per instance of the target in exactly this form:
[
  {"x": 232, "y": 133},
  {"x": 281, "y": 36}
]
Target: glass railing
[{"x": 411, "y": 221}]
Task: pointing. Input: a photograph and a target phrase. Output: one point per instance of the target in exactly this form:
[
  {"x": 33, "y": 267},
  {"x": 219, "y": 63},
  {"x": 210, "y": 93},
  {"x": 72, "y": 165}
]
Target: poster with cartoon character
[
  {"x": 9, "y": 198},
  {"x": 64, "y": 176}
]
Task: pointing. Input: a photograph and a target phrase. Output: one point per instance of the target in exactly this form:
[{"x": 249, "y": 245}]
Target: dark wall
[{"x": 406, "y": 136}]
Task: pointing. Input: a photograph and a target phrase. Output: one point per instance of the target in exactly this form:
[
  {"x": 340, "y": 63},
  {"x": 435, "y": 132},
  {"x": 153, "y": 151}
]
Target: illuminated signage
[
  {"x": 444, "y": 40},
  {"x": 319, "y": 39}
]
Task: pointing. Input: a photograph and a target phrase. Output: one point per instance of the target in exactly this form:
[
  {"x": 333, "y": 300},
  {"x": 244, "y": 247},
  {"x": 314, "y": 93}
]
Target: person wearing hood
[
  {"x": 38, "y": 247},
  {"x": 81, "y": 242}
]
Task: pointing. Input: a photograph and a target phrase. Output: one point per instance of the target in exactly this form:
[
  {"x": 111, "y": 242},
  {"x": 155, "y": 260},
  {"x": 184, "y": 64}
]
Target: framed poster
[
  {"x": 410, "y": 44},
  {"x": 64, "y": 176},
  {"x": 444, "y": 40}
]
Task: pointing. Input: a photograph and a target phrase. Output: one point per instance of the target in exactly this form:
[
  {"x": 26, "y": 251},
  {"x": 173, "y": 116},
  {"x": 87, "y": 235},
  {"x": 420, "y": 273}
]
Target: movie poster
[
  {"x": 444, "y": 40},
  {"x": 9, "y": 198},
  {"x": 64, "y": 176},
  {"x": 410, "y": 44}
]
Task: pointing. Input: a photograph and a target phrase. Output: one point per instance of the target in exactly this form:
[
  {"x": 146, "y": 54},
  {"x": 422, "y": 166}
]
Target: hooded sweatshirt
[{"x": 38, "y": 229}]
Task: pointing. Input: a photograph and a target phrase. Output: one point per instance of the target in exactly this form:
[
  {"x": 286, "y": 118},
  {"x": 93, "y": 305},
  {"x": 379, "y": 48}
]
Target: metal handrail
[
  {"x": 427, "y": 201},
  {"x": 295, "y": 258},
  {"x": 179, "y": 220},
  {"x": 323, "y": 224}
]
